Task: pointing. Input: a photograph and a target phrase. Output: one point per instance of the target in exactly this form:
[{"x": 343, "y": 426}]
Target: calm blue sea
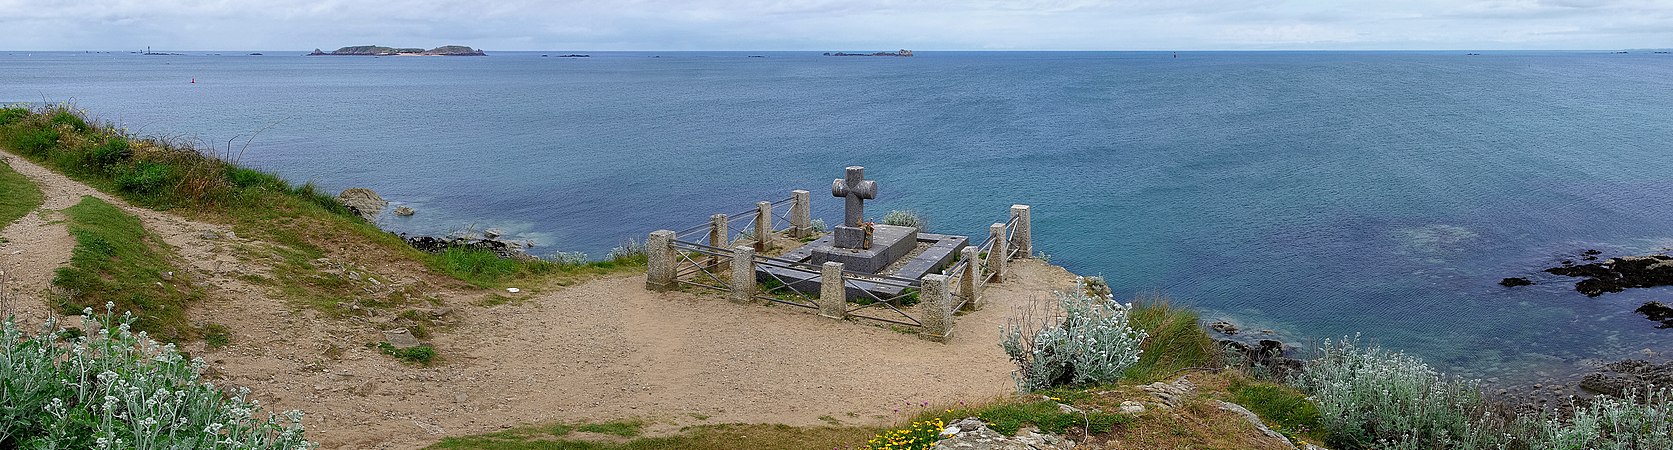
[{"x": 1313, "y": 193}]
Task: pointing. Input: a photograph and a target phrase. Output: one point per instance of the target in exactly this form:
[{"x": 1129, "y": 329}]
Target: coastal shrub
[
  {"x": 1369, "y": 397},
  {"x": 145, "y": 178},
  {"x": 906, "y": 218},
  {"x": 108, "y": 387},
  {"x": 818, "y": 225},
  {"x": 1085, "y": 339},
  {"x": 569, "y": 258},
  {"x": 12, "y": 114},
  {"x": 63, "y": 116},
  {"x": 108, "y": 154},
  {"x": 30, "y": 141},
  {"x": 1638, "y": 420}
]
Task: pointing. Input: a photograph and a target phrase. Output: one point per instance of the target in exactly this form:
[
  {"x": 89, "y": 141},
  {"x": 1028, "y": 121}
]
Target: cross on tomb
[{"x": 856, "y": 189}]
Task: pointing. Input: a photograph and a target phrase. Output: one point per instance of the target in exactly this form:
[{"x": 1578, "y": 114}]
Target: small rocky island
[{"x": 373, "y": 50}]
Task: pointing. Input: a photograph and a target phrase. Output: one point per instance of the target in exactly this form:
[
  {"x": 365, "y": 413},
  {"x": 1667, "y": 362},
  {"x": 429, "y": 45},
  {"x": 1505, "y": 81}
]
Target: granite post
[
  {"x": 833, "y": 292},
  {"x": 743, "y": 274},
  {"x": 763, "y": 225},
  {"x": 1023, "y": 236},
  {"x": 659, "y": 261},
  {"x": 936, "y": 303},
  {"x": 967, "y": 280},
  {"x": 997, "y": 255},
  {"x": 719, "y": 236},
  {"x": 801, "y": 214}
]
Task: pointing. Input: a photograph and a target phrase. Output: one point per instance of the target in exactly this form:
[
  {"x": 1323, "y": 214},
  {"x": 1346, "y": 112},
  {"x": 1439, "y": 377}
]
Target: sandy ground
[{"x": 601, "y": 350}]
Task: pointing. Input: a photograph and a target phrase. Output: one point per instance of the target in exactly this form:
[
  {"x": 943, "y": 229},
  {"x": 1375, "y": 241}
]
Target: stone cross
[{"x": 857, "y": 190}]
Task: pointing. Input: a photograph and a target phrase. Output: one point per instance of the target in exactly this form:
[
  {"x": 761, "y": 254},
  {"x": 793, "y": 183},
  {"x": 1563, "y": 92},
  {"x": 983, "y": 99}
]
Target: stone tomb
[{"x": 869, "y": 253}]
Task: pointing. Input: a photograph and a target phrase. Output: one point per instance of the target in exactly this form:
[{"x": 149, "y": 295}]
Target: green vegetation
[
  {"x": 422, "y": 354},
  {"x": 18, "y": 195},
  {"x": 906, "y": 218},
  {"x": 308, "y": 225},
  {"x": 216, "y": 335},
  {"x": 1084, "y": 339},
  {"x": 1283, "y": 408},
  {"x": 117, "y": 389},
  {"x": 117, "y": 261},
  {"x": 1174, "y": 341}
]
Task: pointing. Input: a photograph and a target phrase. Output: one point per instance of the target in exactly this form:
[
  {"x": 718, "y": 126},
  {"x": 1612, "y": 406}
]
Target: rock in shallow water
[
  {"x": 1618, "y": 274},
  {"x": 1515, "y": 281},
  {"x": 1657, "y": 311}
]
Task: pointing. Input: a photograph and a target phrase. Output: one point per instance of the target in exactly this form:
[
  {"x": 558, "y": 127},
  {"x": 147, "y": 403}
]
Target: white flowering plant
[
  {"x": 1085, "y": 339},
  {"x": 114, "y": 388},
  {"x": 1369, "y": 397}
]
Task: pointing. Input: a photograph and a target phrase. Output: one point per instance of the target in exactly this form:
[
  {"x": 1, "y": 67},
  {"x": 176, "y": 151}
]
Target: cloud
[{"x": 835, "y": 24}]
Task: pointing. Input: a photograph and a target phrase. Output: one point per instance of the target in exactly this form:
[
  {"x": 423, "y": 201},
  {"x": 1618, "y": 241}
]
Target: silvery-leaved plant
[
  {"x": 114, "y": 388},
  {"x": 1085, "y": 339}
]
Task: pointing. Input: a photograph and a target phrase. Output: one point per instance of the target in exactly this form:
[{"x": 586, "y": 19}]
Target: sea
[{"x": 1318, "y": 195}]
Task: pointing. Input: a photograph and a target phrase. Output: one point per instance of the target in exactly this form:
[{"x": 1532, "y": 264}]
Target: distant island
[
  {"x": 373, "y": 50},
  {"x": 902, "y": 52}
]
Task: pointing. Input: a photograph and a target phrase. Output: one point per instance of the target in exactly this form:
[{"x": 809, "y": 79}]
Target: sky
[{"x": 827, "y": 25}]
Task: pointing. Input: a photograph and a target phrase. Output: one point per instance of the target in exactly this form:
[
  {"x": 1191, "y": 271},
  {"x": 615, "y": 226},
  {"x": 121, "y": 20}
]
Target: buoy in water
[{"x": 194, "y": 80}]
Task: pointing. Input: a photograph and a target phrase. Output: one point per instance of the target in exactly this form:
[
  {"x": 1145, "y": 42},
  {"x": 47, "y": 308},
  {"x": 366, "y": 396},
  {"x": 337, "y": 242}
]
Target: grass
[
  {"x": 305, "y": 223},
  {"x": 1176, "y": 341},
  {"x": 18, "y": 195},
  {"x": 216, "y": 335},
  {"x": 701, "y": 437},
  {"x": 1283, "y": 408},
  {"x": 421, "y": 355},
  {"x": 116, "y": 260}
]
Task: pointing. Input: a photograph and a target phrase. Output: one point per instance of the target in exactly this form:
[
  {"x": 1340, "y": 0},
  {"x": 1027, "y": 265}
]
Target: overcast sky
[{"x": 836, "y": 25}]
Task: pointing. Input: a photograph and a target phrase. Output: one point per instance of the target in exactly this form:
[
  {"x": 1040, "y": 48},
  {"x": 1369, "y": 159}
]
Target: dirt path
[{"x": 602, "y": 350}]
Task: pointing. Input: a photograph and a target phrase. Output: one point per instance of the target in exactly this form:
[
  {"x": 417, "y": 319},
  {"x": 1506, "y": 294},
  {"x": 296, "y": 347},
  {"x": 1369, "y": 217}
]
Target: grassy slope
[
  {"x": 306, "y": 224},
  {"x": 18, "y": 195},
  {"x": 116, "y": 260}
]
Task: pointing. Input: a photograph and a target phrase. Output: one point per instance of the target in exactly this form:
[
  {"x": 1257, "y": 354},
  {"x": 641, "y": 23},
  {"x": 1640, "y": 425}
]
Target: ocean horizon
[{"x": 1316, "y": 194}]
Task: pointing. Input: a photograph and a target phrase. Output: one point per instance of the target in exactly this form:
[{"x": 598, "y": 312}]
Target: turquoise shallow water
[{"x": 1316, "y": 194}]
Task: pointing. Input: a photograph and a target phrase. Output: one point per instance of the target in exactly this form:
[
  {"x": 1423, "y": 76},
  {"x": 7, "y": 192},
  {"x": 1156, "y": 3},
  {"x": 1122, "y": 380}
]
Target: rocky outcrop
[
  {"x": 972, "y": 434},
  {"x": 1618, "y": 274},
  {"x": 404, "y": 211},
  {"x": 363, "y": 202},
  {"x": 433, "y": 244},
  {"x": 1515, "y": 281},
  {"x": 1657, "y": 311},
  {"x": 1617, "y": 378},
  {"x": 1249, "y": 416},
  {"x": 1270, "y": 355}
]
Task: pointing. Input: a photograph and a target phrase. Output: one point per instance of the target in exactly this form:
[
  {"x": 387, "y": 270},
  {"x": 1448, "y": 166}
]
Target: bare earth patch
[{"x": 601, "y": 350}]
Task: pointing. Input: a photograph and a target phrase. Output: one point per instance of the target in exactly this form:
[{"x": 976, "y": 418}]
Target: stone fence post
[
  {"x": 936, "y": 302},
  {"x": 833, "y": 292},
  {"x": 743, "y": 274},
  {"x": 997, "y": 255},
  {"x": 659, "y": 261},
  {"x": 967, "y": 280},
  {"x": 719, "y": 236},
  {"x": 1023, "y": 236},
  {"x": 801, "y": 214},
  {"x": 763, "y": 225}
]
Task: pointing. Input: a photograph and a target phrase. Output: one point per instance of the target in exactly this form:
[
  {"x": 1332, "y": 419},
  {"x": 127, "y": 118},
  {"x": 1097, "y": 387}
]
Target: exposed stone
[
  {"x": 1618, "y": 274},
  {"x": 1132, "y": 407},
  {"x": 401, "y": 339},
  {"x": 404, "y": 211},
  {"x": 492, "y": 233},
  {"x": 1618, "y": 377},
  {"x": 1657, "y": 311},
  {"x": 1515, "y": 281},
  {"x": 363, "y": 202},
  {"x": 972, "y": 434},
  {"x": 1171, "y": 395},
  {"x": 1255, "y": 420},
  {"x": 1223, "y": 327}
]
